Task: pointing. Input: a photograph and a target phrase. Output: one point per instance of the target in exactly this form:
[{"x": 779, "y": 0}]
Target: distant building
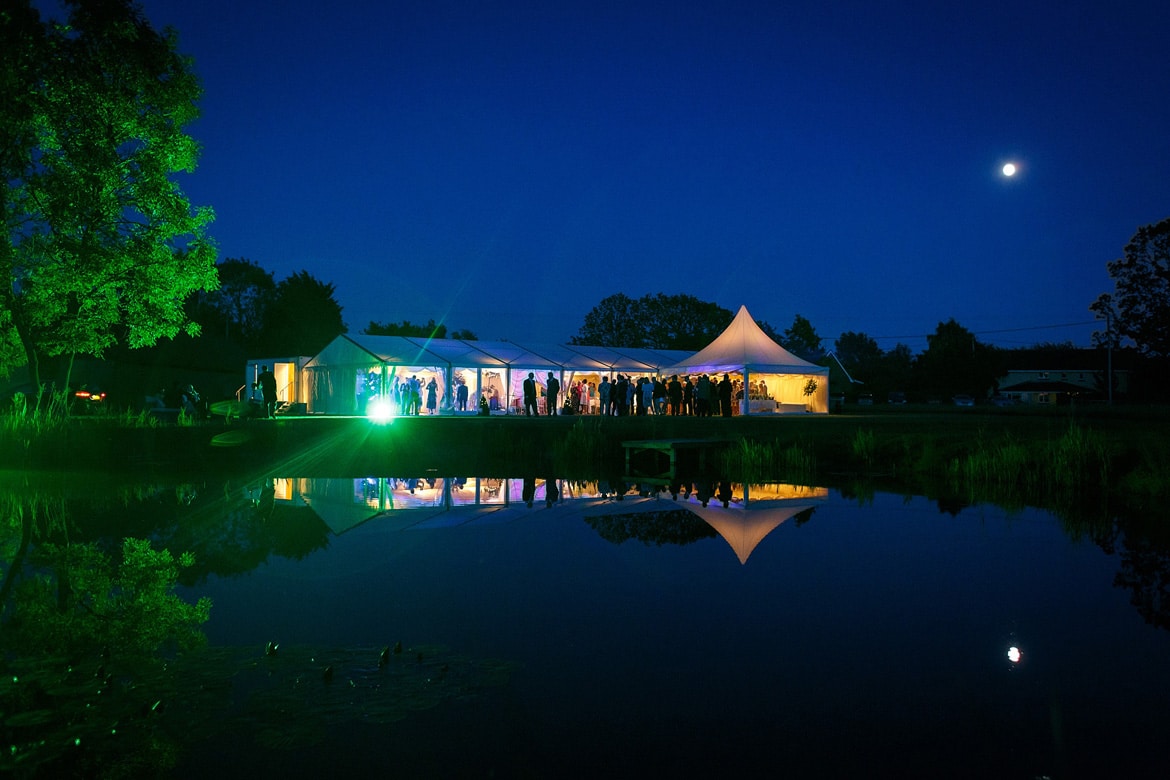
[{"x": 1080, "y": 376}]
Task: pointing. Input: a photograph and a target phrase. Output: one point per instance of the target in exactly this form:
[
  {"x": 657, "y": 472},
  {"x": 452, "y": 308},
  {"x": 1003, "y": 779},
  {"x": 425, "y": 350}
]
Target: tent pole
[{"x": 747, "y": 399}]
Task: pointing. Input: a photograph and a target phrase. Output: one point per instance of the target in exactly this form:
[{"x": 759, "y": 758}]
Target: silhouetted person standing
[
  {"x": 552, "y": 389},
  {"x": 267, "y": 382},
  {"x": 530, "y": 395},
  {"x": 725, "y": 396},
  {"x": 675, "y": 392}
]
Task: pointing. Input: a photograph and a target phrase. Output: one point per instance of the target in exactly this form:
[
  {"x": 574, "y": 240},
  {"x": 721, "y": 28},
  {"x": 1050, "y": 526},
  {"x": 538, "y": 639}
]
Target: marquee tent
[
  {"x": 353, "y": 370},
  {"x": 744, "y": 348}
]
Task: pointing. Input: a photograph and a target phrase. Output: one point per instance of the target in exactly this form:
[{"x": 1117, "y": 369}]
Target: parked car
[
  {"x": 964, "y": 400},
  {"x": 1003, "y": 400},
  {"x": 865, "y": 399},
  {"x": 896, "y": 397}
]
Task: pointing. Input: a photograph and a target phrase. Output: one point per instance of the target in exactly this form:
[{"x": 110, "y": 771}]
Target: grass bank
[{"x": 1040, "y": 457}]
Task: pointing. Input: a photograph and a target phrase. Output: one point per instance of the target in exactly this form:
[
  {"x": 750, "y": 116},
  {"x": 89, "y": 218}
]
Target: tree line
[{"x": 104, "y": 254}]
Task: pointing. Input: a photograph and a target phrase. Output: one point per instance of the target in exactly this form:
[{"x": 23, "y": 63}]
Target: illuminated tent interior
[
  {"x": 744, "y": 349},
  {"x": 353, "y": 371}
]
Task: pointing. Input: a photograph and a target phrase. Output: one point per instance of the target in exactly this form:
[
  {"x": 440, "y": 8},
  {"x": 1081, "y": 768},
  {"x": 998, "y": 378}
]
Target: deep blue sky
[{"x": 503, "y": 167}]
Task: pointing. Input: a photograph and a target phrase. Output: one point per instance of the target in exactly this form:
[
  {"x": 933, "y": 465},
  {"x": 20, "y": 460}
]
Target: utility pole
[{"x": 1109, "y": 355}]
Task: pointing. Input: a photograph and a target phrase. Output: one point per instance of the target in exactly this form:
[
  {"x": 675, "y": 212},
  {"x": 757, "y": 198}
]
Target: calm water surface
[
  {"x": 801, "y": 634},
  {"x": 850, "y": 637}
]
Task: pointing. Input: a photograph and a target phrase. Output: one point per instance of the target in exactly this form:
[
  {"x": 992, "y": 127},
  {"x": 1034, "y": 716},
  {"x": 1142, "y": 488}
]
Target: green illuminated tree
[{"x": 100, "y": 246}]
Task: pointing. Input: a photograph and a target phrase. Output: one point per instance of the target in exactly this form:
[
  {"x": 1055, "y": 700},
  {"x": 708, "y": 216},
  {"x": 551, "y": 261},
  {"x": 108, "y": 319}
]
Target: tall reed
[
  {"x": 754, "y": 461},
  {"x": 1006, "y": 469},
  {"x": 581, "y": 451},
  {"x": 864, "y": 447}
]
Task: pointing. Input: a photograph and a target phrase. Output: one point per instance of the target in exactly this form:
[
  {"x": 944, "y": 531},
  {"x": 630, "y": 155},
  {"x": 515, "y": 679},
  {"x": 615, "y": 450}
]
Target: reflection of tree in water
[
  {"x": 229, "y": 529},
  {"x": 674, "y": 526},
  {"x": 83, "y": 634},
  {"x": 104, "y": 670},
  {"x": 1145, "y": 571},
  {"x": 802, "y": 517},
  {"x": 1142, "y": 544}
]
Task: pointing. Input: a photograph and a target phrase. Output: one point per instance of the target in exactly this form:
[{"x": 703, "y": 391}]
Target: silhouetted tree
[
  {"x": 682, "y": 321},
  {"x": 236, "y": 308},
  {"x": 858, "y": 352},
  {"x": 653, "y": 321},
  {"x": 956, "y": 362},
  {"x": 801, "y": 339},
  {"x": 1140, "y": 307},
  {"x": 407, "y": 328},
  {"x": 302, "y": 318},
  {"x": 895, "y": 370},
  {"x": 613, "y": 323}
]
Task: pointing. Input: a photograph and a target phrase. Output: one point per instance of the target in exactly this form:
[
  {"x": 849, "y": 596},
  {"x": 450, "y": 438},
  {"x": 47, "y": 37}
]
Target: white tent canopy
[
  {"x": 744, "y": 348},
  {"x": 352, "y": 370}
]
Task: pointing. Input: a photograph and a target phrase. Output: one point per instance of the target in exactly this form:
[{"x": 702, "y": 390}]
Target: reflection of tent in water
[
  {"x": 345, "y": 503},
  {"x": 743, "y": 524}
]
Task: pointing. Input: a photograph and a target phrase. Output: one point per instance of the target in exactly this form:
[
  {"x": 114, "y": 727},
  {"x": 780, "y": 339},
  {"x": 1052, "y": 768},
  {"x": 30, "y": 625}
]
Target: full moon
[{"x": 1009, "y": 169}]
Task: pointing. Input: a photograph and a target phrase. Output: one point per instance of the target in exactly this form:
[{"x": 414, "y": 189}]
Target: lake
[{"x": 455, "y": 631}]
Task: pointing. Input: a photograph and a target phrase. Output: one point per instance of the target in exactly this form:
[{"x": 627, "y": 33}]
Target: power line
[{"x": 999, "y": 330}]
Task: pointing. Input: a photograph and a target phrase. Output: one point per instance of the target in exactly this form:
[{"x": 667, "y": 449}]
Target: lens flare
[{"x": 380, "y": 410}]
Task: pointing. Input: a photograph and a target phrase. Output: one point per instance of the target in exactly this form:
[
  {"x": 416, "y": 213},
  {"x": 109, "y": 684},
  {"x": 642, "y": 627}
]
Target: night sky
[{"x": 503, "y": 167}]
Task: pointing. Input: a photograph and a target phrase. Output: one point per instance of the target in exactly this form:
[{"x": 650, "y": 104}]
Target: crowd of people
[
  {"x": 410, "y": 394},
  {"x": 624, "y": 395},
  {"x": 617, "y": 396}
]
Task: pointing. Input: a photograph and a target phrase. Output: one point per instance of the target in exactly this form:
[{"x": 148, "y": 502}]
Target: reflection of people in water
[
  {"x": 703, "y": 491},
  {"x": 724, "y": 494},
  {"x": 266, "y": 504}
]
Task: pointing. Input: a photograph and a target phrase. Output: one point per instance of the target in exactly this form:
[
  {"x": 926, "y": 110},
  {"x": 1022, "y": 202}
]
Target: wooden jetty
[{"x": 659, "y": 458}]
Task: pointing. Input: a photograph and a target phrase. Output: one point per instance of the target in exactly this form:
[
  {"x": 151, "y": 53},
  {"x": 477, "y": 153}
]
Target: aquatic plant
[
  {"x": 1010, "y": 471},
  {"x": 581, "y": 451},
  {"x": 749, "y": 460},
  {"x": 864, "y": 447}
]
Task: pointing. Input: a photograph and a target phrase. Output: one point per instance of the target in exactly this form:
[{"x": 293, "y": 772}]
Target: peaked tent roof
[
  {"x": 363, "y": 350},
  {"x": 743, "y": 344}
]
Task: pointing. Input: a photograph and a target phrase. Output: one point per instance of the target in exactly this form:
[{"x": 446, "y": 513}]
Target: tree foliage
[
  {"x": 407, "y": 328},
  {"x": 857, "y": 351},
  {"x": 653, "y": 321},
  {"x": 92, "y": 600},
  {"x": 956, "y": 362},
  {"x": 801, "y": 339},
  {"x": 1139, "y": 308},
  {"x": 92, "y": 133},
  {"x": 302, "y": 318},
  {"x": 877, "y": 371},
  {"x": 236, "y": 308}
]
